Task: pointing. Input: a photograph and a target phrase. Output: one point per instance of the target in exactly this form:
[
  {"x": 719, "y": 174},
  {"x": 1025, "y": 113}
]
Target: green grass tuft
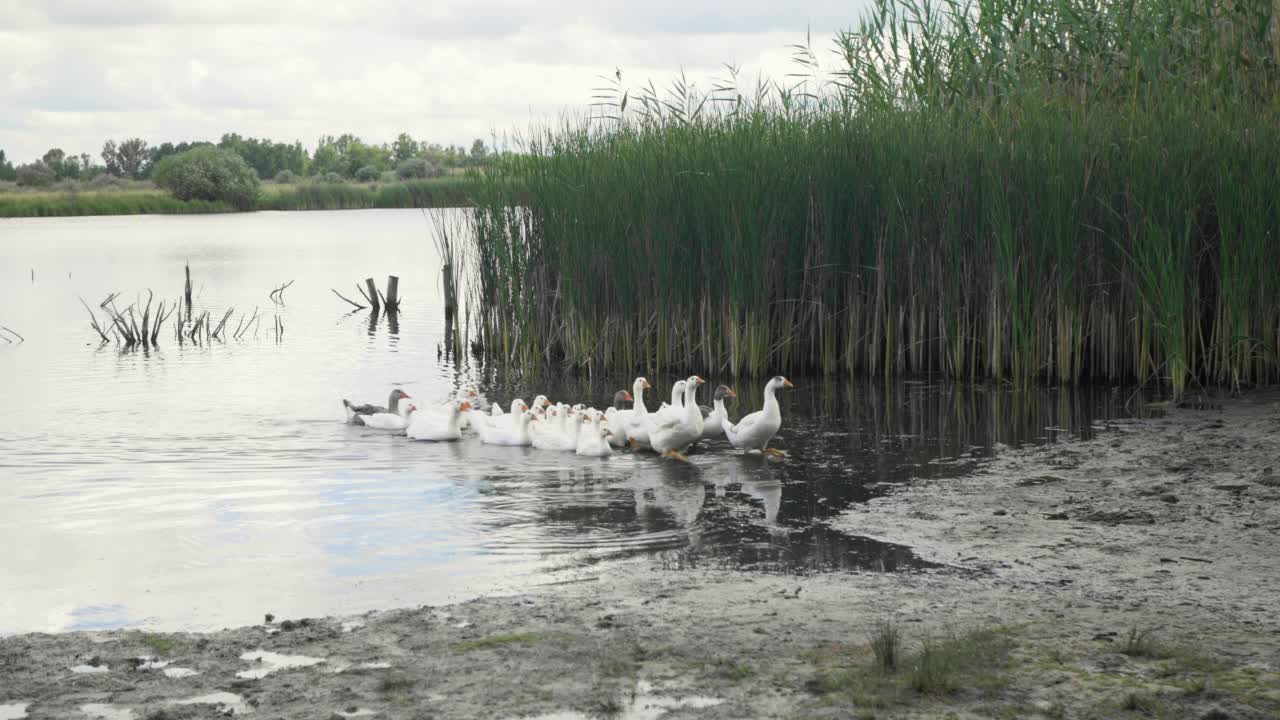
[
  {"x": 494, "y": 641},
  {"x": 886, "y": 645},
  {"x": 159, "y": 643},
  {"x": 1142, "y": 643},
  {"x": 970, "y": 662}
]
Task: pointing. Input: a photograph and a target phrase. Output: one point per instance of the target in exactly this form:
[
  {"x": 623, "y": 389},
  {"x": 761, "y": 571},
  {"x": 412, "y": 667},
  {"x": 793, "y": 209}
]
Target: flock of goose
[{"x": 670, "y": 431}]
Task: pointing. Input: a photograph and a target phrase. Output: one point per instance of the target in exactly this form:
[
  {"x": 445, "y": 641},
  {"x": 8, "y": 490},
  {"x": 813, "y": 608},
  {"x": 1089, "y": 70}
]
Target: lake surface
[{"x": 201, "y": 486}]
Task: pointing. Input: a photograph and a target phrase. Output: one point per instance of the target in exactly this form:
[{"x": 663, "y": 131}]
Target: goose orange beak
[
  {"x": 731, "y": 393},
  {"x": 646, "y": 385},
  {"x": 699, "y": 380},
  {"x": 465, "y": 406},
  {"x": 627, "y": 396},
  {"x": 787, "y": 383}
]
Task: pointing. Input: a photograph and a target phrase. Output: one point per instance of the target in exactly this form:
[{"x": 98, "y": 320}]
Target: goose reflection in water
[
  {"x": 756, "y": 480},
  {"x": 678, "y": 489}
]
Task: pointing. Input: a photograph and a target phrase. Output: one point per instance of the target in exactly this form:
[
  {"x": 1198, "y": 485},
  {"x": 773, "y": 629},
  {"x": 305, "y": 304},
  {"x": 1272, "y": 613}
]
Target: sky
[{"x": 74, "y": 73}]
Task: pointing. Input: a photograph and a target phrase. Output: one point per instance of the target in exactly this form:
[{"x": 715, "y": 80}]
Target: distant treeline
[
  {"x": 334, "y": 159},
  {"x": 436, "y": 192}
]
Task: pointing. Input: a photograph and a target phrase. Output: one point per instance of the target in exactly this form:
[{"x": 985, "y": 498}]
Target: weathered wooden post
[{"x": 373, "y": 295}]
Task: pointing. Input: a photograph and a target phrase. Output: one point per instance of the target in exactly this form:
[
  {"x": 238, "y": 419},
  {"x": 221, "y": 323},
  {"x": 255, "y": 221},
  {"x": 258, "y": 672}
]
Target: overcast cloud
[{"x": 74, "y": 73}]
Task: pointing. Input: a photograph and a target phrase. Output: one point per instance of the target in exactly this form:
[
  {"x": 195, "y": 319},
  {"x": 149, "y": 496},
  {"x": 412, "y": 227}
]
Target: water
[{"x": 197, "y": 487}]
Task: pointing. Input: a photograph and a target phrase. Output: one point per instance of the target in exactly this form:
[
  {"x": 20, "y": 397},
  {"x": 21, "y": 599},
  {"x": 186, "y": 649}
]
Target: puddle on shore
[
  {"x": 358, "y": 712},
  {"x": 89, "y": 669},
  {"x": 273, "y": 662},
  {"x": 336, "y": 669},
  {"x": 13, "y": 711},
  {"x": 226, "y": 702},
  {"x": 645, "y": 704},
  {"x": 179, "y": 672},
  {"x": 106, "y": 711}
]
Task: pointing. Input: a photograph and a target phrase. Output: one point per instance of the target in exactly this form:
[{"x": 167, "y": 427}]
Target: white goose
[
  {"x": 671, "y": 433},
  {"x": 635, "y": 421},
  {"x": 439, "y": 426},
  {"x": 676, "y": 407},
  {"x": 617, "y": 433},
  {"x": 754, "y": 431},
  {"x": 515, "y": 432},
  {"x": 594, "y": 441},
  {"x": 558, "y": 431},
  {"x": 497, "y": 418}
]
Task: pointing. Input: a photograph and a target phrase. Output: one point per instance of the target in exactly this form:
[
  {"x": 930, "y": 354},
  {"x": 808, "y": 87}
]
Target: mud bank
[{"x": 1129, "y": 576}]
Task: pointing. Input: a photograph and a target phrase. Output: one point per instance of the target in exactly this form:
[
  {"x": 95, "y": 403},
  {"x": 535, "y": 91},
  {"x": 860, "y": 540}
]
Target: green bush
[
  {"x": 286, "y": 177},
  {"x": 35, "y": 174},
  {"x": 208, "y": 173},
  {"x": 368, "y": 173},
  {"x": 416, "y": 168}
]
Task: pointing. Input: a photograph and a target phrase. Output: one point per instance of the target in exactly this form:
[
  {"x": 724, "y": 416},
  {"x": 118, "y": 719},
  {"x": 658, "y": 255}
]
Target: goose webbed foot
[
  {"x": 675, "y": 456},
  {"x": 774, "y": 452}
]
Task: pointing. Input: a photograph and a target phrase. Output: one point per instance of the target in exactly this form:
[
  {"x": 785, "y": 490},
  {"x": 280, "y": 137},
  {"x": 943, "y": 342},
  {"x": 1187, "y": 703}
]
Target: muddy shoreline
[{"x": 1133, "y": 575}]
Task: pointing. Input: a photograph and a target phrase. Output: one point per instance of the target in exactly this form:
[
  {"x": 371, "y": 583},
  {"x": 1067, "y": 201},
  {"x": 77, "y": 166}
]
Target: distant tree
[
  {"x": 403, "y": 148},
  {"x": 478, "y": 151},
  {"x": 128, "y": 158},
  {"x": 110, "y": 158},
  {"x": 286, "y": 177},
  {"x": 104, "y": 179},
  {"x": 368, "y": 173},
  {"x": 35, "y": 174},
  {"x": 159, "y": 152},
  {"x": 326, "y": 159},
  {"x": 63, "y": 167},
  {"x": 358, "y": 155},
  {"x": 208, "y": 173},
  {"x": 416, "y": 168},
  {"x": 266, "y": 157},
  {"x": 7, "y": 171}
]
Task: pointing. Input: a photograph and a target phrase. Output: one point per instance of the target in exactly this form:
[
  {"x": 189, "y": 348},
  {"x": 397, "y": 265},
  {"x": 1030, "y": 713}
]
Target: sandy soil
[{"x": 1130, "y": 576}]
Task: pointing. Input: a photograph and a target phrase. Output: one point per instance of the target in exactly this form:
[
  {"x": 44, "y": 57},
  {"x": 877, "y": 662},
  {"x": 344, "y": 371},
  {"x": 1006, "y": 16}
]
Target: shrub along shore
[
  {"x": 437, "y": 192},
  {"x": 1051, "y": 190}
]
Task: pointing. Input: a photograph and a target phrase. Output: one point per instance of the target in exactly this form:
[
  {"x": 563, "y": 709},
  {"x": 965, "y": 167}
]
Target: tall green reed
[{"x": 1045, "y": 189}]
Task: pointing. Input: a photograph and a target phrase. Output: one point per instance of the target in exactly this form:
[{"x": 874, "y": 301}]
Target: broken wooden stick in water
[
  {"x": 277, "y": 296},
  {"x": 239, "y": 332},
  {"x": 146, "y": 317},
  {"x": 392, "y": 299},
  {"x": 372, "y": 297},
  {"x": 349, "y": 300},
  {"x": 161, "y": 318},
  {"x": 223, "y": 323},
  {"x": 93, "y": 322},
  {"x": 187, "y": 291}
]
